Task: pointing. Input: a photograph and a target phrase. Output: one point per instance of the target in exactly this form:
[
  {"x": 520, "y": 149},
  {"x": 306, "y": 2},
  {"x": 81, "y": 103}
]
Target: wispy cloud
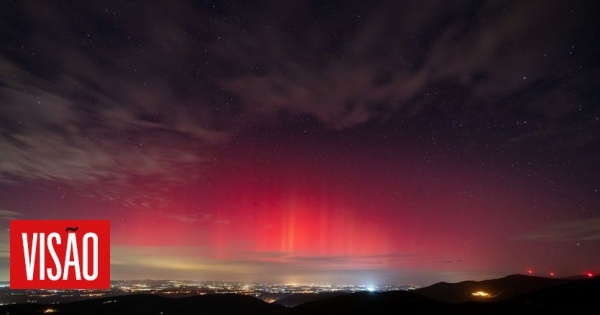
[
  {"x": 8, "y": 215},
  {"x": 4, "y": 243},
  {"x": 186, "y": 262},
  {"x": 456, "y": 261},
  {"x": 104, "y": 151},
  {"x": 577, "y": 230},
  {"x": 376, "y": 258},
  {"x": 185, "y": 218},
  {"x": 97, "y": 120},
  {"x": 5, "y": 215}
]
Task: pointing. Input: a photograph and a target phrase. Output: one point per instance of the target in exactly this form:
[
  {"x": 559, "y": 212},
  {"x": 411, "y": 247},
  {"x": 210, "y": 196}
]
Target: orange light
[
  {"x": 529, "y": 271},
  {"x": 481, "y": 294},
  {"x": 552, "y": 274},
  {"x": 589, "y": 274}
]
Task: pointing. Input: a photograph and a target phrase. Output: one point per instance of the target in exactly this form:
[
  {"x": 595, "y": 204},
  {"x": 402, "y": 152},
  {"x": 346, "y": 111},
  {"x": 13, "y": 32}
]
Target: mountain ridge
[
  {"x": 552, "y": 297},
  {"x": 498, "y": 289}
]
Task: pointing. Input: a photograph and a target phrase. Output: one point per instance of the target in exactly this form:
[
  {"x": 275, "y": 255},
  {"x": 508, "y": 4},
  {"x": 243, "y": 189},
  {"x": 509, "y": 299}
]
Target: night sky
[{"x": 363, "y": 142}]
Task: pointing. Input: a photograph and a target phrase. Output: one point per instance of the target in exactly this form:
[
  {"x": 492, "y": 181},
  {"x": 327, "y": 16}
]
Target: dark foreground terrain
[{"x": 514, "y": 294}]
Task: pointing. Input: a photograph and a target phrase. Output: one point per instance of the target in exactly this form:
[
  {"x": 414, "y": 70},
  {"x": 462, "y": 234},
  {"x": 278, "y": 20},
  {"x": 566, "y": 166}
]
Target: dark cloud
[
  {"x": 576, "y": 230},
  {"x": 83, "y": 102},
  {"x": 109, "y": 93}
]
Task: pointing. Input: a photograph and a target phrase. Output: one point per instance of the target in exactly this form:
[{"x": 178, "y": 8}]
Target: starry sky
[{"x": 363, "y": 142}]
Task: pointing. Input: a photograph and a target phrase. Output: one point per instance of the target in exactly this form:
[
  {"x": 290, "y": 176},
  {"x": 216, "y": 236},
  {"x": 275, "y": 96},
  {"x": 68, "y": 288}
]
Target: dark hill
[
  {"x": 296, "y": 299},
  {"x": 374, "y": 303},
  {"x": 500, "y": 289},
  {"x": 570, "y": 297},
  {"x": 576, "y": 297},
  {"x": 153, "y": 304},
  {"x": 584, "y": 293}
]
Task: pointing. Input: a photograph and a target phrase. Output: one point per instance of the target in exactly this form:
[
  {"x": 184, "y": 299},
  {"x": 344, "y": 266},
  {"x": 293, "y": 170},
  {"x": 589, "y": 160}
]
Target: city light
[
  {"x": 481, "y": 294},
  {"x": 268, "y": 292}
]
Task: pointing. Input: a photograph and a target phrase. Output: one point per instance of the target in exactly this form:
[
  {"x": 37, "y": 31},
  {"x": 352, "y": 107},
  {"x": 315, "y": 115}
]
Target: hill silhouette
[
  {"x": 154, "y": 304},
  {"x": 375, "y": 303},
  {"x": 583, "y": 294},
  {"x": 301, "y": 298},
  {"x": 553, "y": 297},
  {"x": 499, "y": 289}
]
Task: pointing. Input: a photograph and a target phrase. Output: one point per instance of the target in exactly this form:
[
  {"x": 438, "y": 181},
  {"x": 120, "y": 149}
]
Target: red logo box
[{"x": 59, "y": 254}]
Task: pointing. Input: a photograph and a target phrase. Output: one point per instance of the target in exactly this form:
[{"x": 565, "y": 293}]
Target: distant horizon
[{"x": 583, "y": 275}]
